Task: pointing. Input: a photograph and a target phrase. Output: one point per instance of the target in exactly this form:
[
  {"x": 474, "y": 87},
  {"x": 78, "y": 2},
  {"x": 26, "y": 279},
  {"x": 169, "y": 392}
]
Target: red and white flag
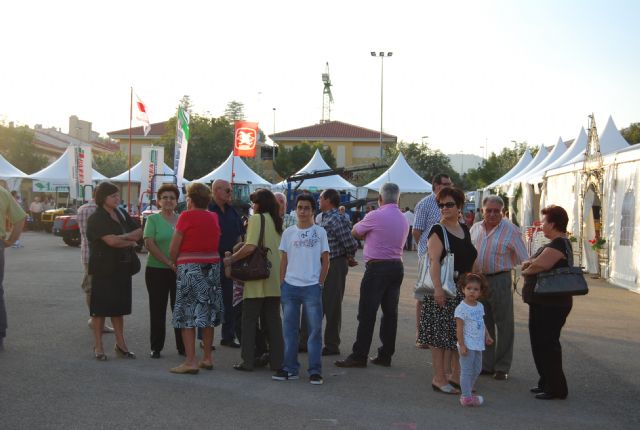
[{"x": 141, "y": 115}]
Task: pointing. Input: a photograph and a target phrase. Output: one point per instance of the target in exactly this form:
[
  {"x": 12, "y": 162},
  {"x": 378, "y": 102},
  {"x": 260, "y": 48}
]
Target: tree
[
  {"x": 632, "y": 133},
  {"x": 496, "y": 166},
  {"x": 110, "y": 164},
  {"x": 423, "y": 160},
  {"x": 290, "y": 160},
  {"x": 16, "y": 145},
  {"x": 210, "y": 144},
  {"x": 234, "y": 111}
]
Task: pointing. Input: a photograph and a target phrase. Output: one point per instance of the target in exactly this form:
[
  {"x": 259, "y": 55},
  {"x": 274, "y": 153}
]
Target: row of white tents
[
  {"x": 604, "y": 204},
  {"x": 58, "y": 174}
]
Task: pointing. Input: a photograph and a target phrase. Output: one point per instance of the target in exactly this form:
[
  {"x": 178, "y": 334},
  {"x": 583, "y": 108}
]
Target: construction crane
[{"x": 327, "y": 97}]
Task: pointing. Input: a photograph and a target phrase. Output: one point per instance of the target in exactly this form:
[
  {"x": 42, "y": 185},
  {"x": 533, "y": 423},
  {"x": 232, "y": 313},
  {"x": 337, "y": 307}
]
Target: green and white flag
[{"x": 182, "y": 141}]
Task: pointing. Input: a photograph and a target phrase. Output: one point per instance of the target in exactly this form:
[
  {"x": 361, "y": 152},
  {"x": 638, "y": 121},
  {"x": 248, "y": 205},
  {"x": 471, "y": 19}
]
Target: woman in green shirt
[
  {"x": 262, "y": 297},
  {"x": 160, "y": 275}
]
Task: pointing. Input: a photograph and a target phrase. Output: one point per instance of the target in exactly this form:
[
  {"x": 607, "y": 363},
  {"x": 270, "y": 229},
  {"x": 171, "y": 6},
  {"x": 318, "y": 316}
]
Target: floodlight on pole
[{"x": 381, "y": 54}]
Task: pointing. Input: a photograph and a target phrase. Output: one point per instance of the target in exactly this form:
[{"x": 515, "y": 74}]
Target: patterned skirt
[
  {"x": 198, "y": 296},
  {"x": 437, "y": 325}
]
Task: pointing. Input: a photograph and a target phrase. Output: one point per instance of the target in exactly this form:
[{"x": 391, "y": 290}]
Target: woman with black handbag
[
  {"x": 261, "y": 296},
  {"x": 112, "y": 236},
  {"x": 547, "y": 314}
]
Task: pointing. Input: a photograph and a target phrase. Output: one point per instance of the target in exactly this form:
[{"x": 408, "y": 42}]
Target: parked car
[{"x": 66, "y": 226}]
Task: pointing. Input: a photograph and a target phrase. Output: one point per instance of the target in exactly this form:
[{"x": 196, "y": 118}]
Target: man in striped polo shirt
[{"x": 500, "y": 248}]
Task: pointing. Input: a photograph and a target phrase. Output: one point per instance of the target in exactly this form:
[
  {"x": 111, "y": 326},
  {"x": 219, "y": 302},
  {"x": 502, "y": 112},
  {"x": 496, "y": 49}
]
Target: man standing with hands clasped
[
  {"x": 500, "y": 248},
  {"x": 385, "y": 231},
  {"x": 303, "y": 269}
]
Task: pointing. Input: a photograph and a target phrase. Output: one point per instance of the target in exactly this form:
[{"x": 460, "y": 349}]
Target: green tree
[
  {"x": 632, "y": 133},
  {"x": 110, "y": 164},
  {"x": 234, "y": 111},
  {"x": 496, "y": 166},
  {"x": 16, "y": 145},
  {"x": 289, "y": 161},
  {"x": 210, "y": 143}
]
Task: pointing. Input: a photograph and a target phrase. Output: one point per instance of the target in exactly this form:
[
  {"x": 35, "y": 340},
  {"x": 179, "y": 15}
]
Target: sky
[{"x": 473, "y": 76}]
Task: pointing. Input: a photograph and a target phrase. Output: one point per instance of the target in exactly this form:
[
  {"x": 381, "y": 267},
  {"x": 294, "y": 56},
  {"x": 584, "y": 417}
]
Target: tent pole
[{"x": 129, "y": 171}]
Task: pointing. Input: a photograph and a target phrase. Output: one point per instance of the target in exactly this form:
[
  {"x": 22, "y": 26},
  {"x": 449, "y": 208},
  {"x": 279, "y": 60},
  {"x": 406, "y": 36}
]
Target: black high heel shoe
[{"x": 124, "y": 354}]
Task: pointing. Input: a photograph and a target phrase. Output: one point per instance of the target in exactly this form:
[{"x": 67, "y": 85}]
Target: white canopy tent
[
  {"x": 58, "y": 172},
  {"x": 316, "y": 164},
  {"x": 242, "y": 173},
  {"x": 136, "y": 174},
  {"x": 576, "y": 149},
  {"x": 401, "y": 174},
  {"x": 520, "y": 165},
  {"x": 11, "y": 174},
  {"x": 537, "y": 160},
  {"x": 610, "y": 141},
  {"x": 535, "y": 176}
]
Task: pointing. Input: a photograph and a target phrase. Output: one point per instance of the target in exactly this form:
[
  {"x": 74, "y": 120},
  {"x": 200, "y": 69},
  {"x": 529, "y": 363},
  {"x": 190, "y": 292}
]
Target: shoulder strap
[
  {"x": 446, "y": 238},
  {"x": 261, "y": 240},
  {"x": 569, "y": 252}
]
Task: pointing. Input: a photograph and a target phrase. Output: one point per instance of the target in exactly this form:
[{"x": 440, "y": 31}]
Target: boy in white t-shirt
[{"x": 303, "y": 268}]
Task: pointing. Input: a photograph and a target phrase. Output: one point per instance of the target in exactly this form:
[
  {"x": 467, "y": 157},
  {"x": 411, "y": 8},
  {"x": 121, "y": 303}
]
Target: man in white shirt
[
  {"x": 303, "y": 269},
  {"x": 410, "y": 217}
]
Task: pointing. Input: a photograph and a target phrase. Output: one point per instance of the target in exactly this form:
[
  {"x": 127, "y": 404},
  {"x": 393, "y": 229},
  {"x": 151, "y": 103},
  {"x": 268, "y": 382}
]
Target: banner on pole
[
  {"x": 79, "y": 171},
  {"x": 182, "y": 141},
  {"x": 151, "y": 164},
  {"x": 246, "y": 138}
]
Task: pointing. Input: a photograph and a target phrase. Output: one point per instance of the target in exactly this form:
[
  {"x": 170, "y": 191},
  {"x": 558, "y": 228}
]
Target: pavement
[{"x": 49, "y": 379}]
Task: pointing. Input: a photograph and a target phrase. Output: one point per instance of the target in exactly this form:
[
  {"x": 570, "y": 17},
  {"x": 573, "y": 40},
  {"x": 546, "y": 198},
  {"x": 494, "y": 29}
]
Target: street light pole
[{"x": 381, "y": 54}]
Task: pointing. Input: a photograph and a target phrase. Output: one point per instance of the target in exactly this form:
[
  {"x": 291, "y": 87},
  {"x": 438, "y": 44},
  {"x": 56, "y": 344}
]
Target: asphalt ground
[{"x": 49, "y": 379}]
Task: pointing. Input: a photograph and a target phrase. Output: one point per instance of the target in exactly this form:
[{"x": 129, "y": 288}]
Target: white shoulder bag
[{"x": 424, "y": 283}]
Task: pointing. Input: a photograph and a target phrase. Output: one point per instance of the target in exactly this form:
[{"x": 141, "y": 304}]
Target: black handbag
[
  {"x": 562, "y": 281},
  {"x": 256, "y": 265},
  {"x": 128, "y": 255}
]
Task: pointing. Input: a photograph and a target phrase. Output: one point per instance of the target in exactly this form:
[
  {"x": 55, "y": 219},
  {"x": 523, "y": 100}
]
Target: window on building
[{"x": 628, "y": 215}]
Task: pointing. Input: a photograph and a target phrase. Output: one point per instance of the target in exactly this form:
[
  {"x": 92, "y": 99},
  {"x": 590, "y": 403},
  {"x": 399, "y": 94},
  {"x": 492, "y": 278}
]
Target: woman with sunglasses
[
  {"x": 437, "y": 324},
  {"x": 160, "y": 275}
]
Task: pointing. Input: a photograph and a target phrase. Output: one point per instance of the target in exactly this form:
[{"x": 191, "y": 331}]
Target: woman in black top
[
  {"x": 547, "y": 315},
  {"x": 437, "y": 325},
  {"x": 112, "y": 237}
]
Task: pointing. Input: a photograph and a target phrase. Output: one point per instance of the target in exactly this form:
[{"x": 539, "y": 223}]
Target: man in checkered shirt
[
  {"x": 82, "y": 217},
  {"x": 427, "y": 213}
]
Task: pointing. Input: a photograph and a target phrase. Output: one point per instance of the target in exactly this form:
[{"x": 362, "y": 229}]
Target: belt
[
  {"x": 383, "y": 261},
  {"x": 497, "y": 273}
]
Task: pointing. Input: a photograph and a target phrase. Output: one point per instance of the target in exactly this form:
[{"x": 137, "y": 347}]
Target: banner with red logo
[
  {"x": 80, "y": 171},
  {"x": 246, "y": 138},
  {"x": 151, "y": 165}
]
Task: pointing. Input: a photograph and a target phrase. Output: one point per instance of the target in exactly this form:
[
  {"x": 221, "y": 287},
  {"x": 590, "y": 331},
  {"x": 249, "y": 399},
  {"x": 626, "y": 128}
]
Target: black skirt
[{"x": 111, "y": 295}]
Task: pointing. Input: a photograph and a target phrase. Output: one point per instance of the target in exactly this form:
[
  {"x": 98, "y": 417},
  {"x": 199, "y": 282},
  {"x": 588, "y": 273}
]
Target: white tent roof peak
[
  {"x": 317, "y": 163},
  {"x": 520, "y": 165},
  {"x": 58, "y": 171},
  {"x": 610, "y": 139},
  {"x": 136, "y": 173},
  {"x": 576, "y": 149},
  {"x": 543, "y": 152},
  {"x": 242, "y": 173},
  {"x": 401, "y": 174},
  {"x": 535, "y": 176}
]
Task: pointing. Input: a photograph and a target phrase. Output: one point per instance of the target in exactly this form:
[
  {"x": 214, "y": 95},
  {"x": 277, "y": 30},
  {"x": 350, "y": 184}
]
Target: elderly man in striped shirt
[{"x": 500, "y": 248}]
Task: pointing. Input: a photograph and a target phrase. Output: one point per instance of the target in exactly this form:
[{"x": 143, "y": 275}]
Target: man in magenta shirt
[{"x": 385, "y": 231}]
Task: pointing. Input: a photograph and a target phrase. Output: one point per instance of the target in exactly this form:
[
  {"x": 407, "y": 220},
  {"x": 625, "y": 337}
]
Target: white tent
[
  {"x": 576, "y": 149},
  {"x": 136, "y": 173},
  {"x": 536, "y": 175},
  {"x": 537, "y": 160},
  {"x": 401, "y": 174},
  {"x": 317, "y": 163},
  {"x": 242, "y": 173},
  {"x": 610, "y": 141},
  {"x": 57, "y": 173},
  {"x": 9, "y": 171},
  {"x": 520, "y": 165}
]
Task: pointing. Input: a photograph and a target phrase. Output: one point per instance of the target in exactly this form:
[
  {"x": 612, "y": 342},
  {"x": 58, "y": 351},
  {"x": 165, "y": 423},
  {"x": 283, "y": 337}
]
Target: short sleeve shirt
[
  {"x": 304, "y": 248},
  {"x": 9, "y": 210},
  {"x": 201, "y": 236},
  {"x": 161, "y": 231},
  {"x": 473, "y": 318}
]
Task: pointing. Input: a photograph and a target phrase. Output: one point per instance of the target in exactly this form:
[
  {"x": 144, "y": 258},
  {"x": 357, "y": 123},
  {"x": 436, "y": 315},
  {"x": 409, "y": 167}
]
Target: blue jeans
[
  {"x": 292, "y": 298},
  {"x": 470, "y": 368}
]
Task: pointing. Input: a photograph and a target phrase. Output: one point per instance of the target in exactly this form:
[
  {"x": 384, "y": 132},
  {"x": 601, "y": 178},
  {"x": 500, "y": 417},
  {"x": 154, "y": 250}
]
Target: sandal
[
  {"x": 445, "y": 389},
  {"x": 204, "y": 365},
  {"x": 122, "y": 353},
  {"x": 100, "y": 356},
  {"x": 457, "y": 386},
  {"x": 184, "y": 369}
]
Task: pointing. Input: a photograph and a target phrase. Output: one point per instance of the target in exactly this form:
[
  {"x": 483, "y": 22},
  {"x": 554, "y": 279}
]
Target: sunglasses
[{"x": 447, "y": 205}]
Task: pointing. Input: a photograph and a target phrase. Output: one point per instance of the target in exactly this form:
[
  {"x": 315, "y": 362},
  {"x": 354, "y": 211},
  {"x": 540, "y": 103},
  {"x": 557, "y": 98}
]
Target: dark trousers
[
  {"x": 409, "y": 245},
  {"x": 332, "y": 295},
  {"x": 161, "y": 286},
  {"x": 545, "y": 325},
  {"x": 380, "y": 288},
  {"x": 3, "y": 308},
  {"x": 229, "y": 324},
  {"x": 269, "y": 309}
]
